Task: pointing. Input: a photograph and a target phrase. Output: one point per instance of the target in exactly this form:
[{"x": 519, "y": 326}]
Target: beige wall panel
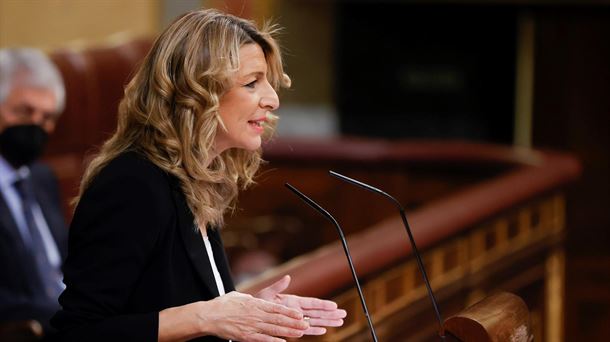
[
  {"x": 307, "y": 40},
  {"x": 49, "y": 24}
]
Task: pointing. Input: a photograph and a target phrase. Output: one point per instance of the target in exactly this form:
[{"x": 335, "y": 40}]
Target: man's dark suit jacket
[
  {"x": 20, "y": 287},
  {"x": 133, "y": 251}
]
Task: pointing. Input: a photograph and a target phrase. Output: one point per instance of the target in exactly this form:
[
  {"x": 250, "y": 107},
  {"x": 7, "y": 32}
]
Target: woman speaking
[{"x": 145, "y": 258}]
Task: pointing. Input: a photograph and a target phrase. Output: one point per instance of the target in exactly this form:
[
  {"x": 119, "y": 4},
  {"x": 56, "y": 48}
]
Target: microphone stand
[
  {"x": 420, "y": 263},
  {"x": 327, "y": 215}
]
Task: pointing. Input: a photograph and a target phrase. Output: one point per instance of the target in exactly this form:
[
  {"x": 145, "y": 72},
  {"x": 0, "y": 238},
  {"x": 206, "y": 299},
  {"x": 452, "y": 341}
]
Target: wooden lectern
[{"x": 497, "y": 318}]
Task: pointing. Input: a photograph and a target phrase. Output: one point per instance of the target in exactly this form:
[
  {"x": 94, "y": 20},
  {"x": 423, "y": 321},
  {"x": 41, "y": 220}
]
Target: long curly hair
[{"x": 169, "y": 113}]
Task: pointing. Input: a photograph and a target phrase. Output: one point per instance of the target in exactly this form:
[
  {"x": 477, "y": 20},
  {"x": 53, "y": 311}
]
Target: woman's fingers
[
  {"x": 279, "y": 320},
  {"x": 314, "y": 307},
  {"x": 332, "y": 314},
  {"x": 315, "y": 331},
  {"x": 273, "y": 290},
  {"x": 263, "y": 338},
  {"x": 280, "y": 330},
  {"x": 284, "y": 321},
  {"x": 313, "y": 303},
  {"x": 317, "y": 325},
  {"x": 318, "y": 322},
  {"x": 322, "y": 318},
  {"x": 322, "y": 313},
  {"x": 279, "y": 309}
]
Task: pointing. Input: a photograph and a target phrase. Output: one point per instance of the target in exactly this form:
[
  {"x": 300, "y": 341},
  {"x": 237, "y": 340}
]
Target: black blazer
[
  {"x": 20, "y": 287},
  {"x": 133, "y": 251}
]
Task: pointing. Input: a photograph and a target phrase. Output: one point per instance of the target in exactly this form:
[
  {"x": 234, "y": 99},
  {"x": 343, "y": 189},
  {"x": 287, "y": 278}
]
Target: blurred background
[{"x": 526, "y": 74}]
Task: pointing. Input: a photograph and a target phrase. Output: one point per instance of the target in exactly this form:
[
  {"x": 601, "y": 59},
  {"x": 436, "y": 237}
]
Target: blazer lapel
[
  {"x": 55, "y": 222},
  {"x": 193, "y": 242},
  {"x": 221, "y": 259},
  {"x": 46, "y": 190},
  {"x": 19, "y": 251},
  {"x": 8, "y": 222}
]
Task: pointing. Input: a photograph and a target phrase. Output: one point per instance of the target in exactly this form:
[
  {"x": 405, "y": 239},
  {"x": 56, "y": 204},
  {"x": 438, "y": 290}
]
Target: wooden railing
[{"x": 502, "y": 233}]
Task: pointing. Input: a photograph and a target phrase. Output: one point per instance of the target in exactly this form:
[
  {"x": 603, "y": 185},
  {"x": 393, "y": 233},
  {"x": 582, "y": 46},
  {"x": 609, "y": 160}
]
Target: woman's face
[{"x": 244, "y": 107}]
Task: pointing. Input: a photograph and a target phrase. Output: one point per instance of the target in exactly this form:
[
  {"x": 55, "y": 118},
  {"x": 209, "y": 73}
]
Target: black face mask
[{"x": 22, "y": 144}]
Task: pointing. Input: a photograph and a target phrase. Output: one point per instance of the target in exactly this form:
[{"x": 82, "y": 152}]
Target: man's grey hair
[{"x": 30, "y": 67}]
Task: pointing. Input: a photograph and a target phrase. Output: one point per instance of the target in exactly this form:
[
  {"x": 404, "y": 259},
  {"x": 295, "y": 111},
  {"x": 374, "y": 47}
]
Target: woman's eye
[{"x": 251, "y": 84}]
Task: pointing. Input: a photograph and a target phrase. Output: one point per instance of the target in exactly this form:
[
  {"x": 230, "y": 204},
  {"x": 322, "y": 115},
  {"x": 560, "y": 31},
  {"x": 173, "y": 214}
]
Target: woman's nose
[{"x": 270, "y": 100}]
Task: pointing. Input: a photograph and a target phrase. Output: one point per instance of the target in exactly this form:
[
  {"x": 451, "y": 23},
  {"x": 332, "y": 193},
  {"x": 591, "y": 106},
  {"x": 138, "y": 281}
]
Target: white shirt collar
[{"x": 8, "y": 174}]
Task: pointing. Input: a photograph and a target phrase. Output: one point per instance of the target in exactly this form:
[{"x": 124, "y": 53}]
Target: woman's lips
[{"x": 258, "y": 125}]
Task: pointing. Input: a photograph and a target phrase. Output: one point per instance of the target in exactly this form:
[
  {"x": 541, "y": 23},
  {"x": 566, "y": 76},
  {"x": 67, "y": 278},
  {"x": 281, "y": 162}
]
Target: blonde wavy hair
[{"x": 169, "y": 113}]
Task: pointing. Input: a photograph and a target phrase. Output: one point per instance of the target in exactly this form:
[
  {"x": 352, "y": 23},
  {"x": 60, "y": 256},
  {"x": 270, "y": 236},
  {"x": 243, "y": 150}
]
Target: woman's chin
[{"x": 253, "y": 145}]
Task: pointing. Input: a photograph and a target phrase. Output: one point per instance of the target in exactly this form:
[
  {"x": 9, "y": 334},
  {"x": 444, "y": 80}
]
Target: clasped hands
[{"x": 270, "y": 315}]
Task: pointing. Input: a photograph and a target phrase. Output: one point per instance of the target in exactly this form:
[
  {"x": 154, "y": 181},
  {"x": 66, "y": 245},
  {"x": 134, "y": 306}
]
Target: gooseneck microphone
[
  {"x": 413, "y": 246},
  {"x": 327, "y": 215}
]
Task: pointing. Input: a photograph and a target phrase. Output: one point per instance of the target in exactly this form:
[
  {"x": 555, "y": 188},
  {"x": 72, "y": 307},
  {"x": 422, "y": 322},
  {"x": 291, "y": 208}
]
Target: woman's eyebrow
[{"x": 254, "y": 73}]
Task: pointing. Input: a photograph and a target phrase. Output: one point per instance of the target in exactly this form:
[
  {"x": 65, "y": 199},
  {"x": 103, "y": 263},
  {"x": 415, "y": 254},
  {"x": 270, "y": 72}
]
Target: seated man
[{"x": 33, "y": 236}]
